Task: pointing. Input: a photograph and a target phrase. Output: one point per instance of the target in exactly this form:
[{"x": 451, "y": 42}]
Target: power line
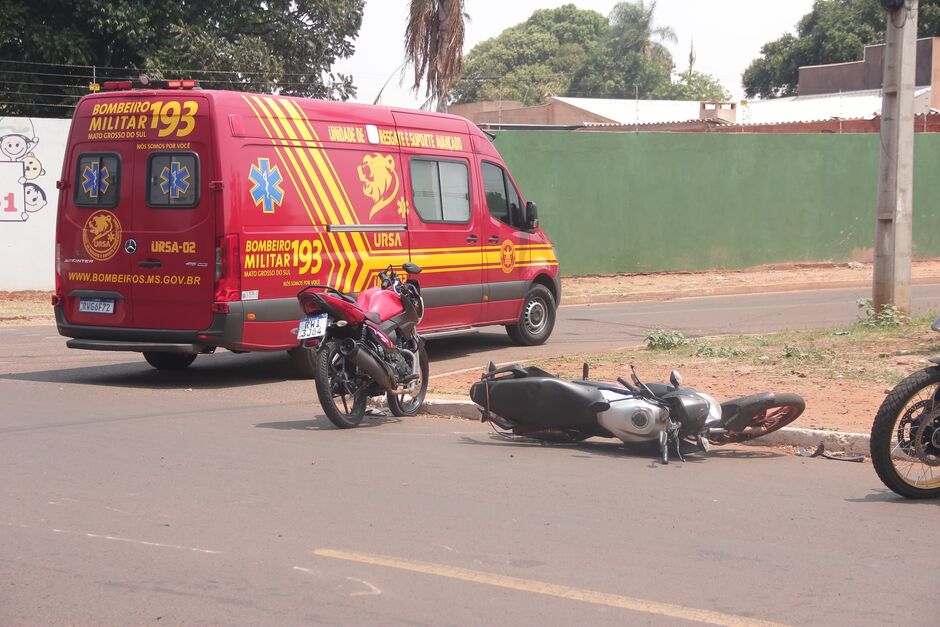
[
  {"x": 155, "y": 69},
  {"x": 33, "y": 104}
]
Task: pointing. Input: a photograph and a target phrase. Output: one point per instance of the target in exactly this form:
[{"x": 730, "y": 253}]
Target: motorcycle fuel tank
[{"x": 632, "y": 419}]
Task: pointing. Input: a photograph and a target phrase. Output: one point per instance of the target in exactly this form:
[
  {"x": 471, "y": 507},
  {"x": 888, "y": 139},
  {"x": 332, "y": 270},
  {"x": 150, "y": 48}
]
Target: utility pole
[{"x": 894, "y": 218}]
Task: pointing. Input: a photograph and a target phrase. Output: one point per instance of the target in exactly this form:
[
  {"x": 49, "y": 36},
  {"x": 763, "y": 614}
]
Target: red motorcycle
[{"x": 366, "y": 346}]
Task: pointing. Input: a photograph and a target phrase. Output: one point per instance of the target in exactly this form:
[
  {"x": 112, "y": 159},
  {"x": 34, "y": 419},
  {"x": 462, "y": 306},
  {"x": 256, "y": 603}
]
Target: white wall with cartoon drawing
[{"x": 31, "y": 154}]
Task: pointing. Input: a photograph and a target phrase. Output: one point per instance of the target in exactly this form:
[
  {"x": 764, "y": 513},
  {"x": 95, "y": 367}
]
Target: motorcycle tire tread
[{"x": 883, "y": 432}]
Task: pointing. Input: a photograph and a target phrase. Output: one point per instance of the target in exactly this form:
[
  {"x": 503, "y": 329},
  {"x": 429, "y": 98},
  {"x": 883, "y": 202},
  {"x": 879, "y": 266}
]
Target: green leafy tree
[
  {"x": 434, "y": 46},
  {"x": 569, "y": 51},
  {"x": 535, "y": 59},
  {"x": 287, "y": 46},
  {"x": 693, "y": 86},
  {"x": 834, "y": 31}
]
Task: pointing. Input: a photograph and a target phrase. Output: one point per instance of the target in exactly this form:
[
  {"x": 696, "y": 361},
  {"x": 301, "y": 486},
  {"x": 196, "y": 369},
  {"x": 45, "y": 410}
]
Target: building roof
[
  {"x": 855, "y": 105},
  {"x": 622, "y": 111}
]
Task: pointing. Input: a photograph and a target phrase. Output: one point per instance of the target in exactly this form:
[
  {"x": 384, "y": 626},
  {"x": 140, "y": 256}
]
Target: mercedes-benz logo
[{"x": 130, "y": 246}]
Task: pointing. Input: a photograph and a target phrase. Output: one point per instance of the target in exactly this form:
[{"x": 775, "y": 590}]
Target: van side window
[
  {"x": 97, "y": 180},
  {"x": 173, "y": 180},
  {"x": 441, "y": 190},
  {"x": 502, "y": 199}
]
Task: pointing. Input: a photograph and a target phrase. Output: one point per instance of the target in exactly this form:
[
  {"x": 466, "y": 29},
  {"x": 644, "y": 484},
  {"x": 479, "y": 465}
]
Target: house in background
[{"x": 834, "y": 98}]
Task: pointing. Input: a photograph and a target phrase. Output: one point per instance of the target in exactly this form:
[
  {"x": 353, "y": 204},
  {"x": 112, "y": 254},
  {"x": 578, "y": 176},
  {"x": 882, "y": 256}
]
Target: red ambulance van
[{"x": 189, "y": 219}]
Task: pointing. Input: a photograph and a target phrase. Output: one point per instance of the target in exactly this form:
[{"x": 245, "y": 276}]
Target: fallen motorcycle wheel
[
  {"x": 342, "y": 397},
  {"x": 905, "y": 436},
  {"x": 786, "y": 409},
  {"x": 409, "y": 404}
]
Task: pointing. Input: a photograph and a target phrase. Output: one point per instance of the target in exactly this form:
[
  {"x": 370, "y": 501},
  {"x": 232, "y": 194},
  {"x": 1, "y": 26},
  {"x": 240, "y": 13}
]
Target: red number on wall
[{"x": 10, "y": 208}]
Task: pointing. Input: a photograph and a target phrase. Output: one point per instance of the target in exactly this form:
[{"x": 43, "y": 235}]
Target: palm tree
[
  {"x": 632, "y": 30},
  {"x": 434, "y": 46}
]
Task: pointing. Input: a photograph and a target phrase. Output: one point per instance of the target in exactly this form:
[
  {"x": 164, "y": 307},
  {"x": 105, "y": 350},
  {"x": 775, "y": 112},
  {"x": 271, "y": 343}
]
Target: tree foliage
[
  {"x": 287, "y": 46},
  {"x": 569, "y": 51},
  {"x": 834, "y": 31}
]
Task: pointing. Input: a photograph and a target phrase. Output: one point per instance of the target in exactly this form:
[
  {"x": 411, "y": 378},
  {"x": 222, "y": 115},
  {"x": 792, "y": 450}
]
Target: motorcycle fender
[
  {"x": 935, "y": 360},
  {"x": 736, "y": 414}
]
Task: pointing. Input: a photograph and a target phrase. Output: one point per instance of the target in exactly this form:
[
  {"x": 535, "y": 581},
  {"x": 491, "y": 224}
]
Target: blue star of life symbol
[
  {"x": 267, "y": 185},
  {"x": 95, "y": 180},
  {"x": 174, "y": 180}
]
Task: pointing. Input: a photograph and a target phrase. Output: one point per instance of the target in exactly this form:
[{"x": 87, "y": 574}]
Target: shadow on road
[
  {"x": 221, "y": 371},
  {"x": 467, "y": 345},
  {"x": 614, "y": 448},
  {"x": 321, "y": 423}
]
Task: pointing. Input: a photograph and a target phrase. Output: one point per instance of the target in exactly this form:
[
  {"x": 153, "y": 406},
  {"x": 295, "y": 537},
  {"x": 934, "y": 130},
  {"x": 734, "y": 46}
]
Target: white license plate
[
  {"x": 314, "y": 326},
  {"x": 96, "y": 305}
]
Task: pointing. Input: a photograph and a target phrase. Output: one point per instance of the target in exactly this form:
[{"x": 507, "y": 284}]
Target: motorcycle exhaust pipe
[{"x": 363, "y": 359}]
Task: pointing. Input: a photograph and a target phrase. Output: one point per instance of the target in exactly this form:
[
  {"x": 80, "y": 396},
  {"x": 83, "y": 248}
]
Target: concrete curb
[{"x": 834, "y": 441}]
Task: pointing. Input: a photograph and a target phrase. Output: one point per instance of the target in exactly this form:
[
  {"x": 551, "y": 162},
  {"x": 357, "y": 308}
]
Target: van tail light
[
  {"x": 228, "y": 280},
  {"x": 57, "y": 299}
]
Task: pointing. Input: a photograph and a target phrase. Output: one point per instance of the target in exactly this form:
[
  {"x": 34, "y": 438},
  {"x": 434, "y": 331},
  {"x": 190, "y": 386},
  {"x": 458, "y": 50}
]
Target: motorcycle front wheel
[
  {"x": 342, "y": 394},
  {"x": 409, "y": 404},
  {"x": 786, "y": 409},
  {"x": 905, "y": 436}
]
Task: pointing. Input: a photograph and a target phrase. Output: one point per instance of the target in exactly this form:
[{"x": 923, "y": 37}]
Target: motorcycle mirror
[
  {"x": 490, "y": 367},
  {"x": 585, "y": 369},
  {"x": 675, "y": 378},
  {"x": 411, "y": 268}
]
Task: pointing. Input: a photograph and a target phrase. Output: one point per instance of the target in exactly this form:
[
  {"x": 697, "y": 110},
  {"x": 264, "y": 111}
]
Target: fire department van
[{"x": 189, "y": 219}]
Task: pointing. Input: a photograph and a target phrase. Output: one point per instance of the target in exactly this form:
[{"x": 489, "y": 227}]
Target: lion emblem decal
[
  {"x": 102, "y": 235},
  {"x": 379, "y": 180}
]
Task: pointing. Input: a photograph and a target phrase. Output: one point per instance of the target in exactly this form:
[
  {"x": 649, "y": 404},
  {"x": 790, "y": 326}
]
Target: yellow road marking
[{"x": 542, "y": 587}]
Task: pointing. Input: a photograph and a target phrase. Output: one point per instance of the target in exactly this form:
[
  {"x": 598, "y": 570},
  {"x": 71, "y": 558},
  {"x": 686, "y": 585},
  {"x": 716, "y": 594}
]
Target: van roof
[{"x": 235, "y": 102}]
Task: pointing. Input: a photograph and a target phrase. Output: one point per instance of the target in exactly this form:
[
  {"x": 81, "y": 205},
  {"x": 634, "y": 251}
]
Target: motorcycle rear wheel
[
  {"x": 342, "y": 397},
  {"x": 904, "y": 437},
  {"x": 786, "y": 409},
  {"x": 407, "y": 404}
]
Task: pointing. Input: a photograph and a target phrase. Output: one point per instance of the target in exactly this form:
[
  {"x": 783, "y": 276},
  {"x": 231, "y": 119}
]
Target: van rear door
[
  {"x": 173, "y": 223},
  {"x": 94, "y": 213}
]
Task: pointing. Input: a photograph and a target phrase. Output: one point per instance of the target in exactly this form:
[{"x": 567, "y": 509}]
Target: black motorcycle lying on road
[
  {"x": 905, "y": 436},
  {"x": 533, "y": 403}
]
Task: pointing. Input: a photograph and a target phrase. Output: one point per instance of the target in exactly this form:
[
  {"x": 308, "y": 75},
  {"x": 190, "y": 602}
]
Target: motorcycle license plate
[
  {"x": 96, "y": 305},
  {"x": 312, "y": 327}
]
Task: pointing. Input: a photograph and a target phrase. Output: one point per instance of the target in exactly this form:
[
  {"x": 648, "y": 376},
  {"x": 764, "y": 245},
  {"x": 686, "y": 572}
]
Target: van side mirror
[{"x": 531, "y": 215}]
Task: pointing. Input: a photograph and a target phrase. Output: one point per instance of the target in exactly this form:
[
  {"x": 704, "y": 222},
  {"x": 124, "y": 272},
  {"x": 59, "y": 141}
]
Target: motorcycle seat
[{"x": 546, "y": 402}]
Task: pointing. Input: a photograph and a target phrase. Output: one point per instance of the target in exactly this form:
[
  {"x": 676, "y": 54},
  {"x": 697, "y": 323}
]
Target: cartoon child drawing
[
  {"x": 17, "y": 138},
  {"x": 32, "y": 168},
  {"x": 35, "y": 199}
]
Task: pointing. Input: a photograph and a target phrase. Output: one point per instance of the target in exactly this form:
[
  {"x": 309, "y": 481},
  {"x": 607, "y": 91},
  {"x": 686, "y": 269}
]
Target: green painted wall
[{"x": 626, "y": 202}]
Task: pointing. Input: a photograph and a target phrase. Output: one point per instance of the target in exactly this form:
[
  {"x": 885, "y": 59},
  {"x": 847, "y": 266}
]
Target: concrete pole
[{"x": 893, "y": 227}]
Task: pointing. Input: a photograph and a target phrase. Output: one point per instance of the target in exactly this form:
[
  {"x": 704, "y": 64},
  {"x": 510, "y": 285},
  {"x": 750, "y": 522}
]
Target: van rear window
[
  {"x": 98, "y": 180},
  {"x": 173, "y": 180},
  {"x": 441, "y": 190}
]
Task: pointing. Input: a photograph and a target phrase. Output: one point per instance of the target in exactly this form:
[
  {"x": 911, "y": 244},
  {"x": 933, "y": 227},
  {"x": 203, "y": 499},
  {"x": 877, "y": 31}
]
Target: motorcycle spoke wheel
[
  {"x": 340, "y": 390},
  {"x": 786, "y": 409},
  {"x": 409, "y": 404},
  {"x": 905, "y": 436}
]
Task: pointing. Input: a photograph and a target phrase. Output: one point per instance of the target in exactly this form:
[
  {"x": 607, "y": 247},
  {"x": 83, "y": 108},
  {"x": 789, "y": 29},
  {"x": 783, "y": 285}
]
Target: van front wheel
[
  {"x": 169, "y": 361},
  {"x": 536, "y": 320}
]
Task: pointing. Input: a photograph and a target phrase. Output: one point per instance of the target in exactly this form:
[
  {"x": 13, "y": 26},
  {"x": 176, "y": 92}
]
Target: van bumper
[{"x": 226, "y": 331}]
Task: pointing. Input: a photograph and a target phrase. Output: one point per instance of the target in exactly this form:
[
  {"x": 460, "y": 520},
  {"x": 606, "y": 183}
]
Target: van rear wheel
[
  {"x": 536, "y": 320},
  {"x": 169, "y": 361}
]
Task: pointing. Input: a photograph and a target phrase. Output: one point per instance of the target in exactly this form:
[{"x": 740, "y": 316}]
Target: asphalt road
[{"x": 220, "y": 495}]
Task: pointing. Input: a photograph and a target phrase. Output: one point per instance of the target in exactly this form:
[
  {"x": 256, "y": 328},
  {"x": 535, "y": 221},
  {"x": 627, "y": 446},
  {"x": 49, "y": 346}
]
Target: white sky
[{"x": 728, "y": 35}]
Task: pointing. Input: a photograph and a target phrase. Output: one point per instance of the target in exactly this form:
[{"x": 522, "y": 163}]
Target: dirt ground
[{"x": 843, "y": 377}]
